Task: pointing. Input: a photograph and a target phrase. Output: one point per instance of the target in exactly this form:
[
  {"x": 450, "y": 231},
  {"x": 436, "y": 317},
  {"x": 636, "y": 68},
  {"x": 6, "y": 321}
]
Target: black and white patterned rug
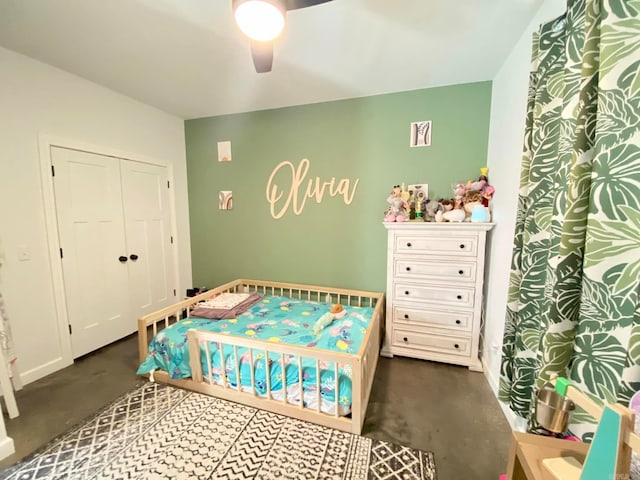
[{"x": 158, "y": 432}]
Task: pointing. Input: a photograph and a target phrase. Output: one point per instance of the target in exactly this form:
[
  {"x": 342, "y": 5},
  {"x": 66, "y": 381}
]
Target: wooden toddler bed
[{"x": 234, "y": 383}]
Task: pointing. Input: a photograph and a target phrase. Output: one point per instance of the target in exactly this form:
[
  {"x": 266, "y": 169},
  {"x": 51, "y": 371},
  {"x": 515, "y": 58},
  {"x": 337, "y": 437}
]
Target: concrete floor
[{"x": 430, "y": 406}]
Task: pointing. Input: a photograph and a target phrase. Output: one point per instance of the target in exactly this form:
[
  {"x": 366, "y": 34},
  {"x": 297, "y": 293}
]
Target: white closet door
[
  {"x": 145, "y": 194},
  {"x": 91, "y": 229}
]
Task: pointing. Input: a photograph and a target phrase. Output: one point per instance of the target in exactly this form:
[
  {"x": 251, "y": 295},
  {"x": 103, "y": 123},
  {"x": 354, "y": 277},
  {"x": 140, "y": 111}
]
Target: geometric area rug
[{"x": 161, "y": 432}]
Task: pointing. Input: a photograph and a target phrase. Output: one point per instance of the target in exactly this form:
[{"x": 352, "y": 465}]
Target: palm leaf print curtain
[{"x": 573, "y": 297}]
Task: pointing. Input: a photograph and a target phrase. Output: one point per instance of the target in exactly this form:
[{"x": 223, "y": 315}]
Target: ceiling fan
[{"x": 262, "y": 21}]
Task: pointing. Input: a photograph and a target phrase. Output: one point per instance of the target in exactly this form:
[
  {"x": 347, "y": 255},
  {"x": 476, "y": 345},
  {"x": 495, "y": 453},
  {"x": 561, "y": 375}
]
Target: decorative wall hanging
[
  {"x": 224, "y": 151},
  {"x": 225, "y": 200},
  {"x": 298, "y": 194},
  {"x": 421, "y": 134}
]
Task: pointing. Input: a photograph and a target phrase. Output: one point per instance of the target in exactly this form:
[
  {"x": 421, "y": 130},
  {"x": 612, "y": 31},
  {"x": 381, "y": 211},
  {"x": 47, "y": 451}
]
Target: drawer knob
[
  {"x": 405, "y": 339},
  {"x": 459, "y": 297},
  {"x": 406, "y": 316},
  {"x": 458, "y": 322},
  {"x": 408, "y": 244},
  {"x": 462, "y": 245},
  {"x": 408, "y": 269},
  {"x": 456, "y": 346},
  {"x": 406, "y": 292},
  {"x": 460, "y": 272}
]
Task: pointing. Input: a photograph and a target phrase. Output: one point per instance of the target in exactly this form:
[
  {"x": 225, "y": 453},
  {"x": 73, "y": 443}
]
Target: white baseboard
[
  {"x": 516, "y": 422},
  {"x": 43, "y": 370},
  {"x": 6, "y": 447}
]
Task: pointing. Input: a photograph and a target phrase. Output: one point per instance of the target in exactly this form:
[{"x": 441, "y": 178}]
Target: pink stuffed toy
[{"x": 397, "y": 211}]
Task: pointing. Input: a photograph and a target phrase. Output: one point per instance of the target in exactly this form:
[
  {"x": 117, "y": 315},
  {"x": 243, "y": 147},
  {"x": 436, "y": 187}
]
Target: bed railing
[
  {"x": 362, "y": 364},
  {"x": 256, "y": 348}
]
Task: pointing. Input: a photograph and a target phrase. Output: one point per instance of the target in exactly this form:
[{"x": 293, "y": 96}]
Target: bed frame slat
[
  {"x": 300, "y": 384},
  {"x": 209, "y": 368},
  {"x": 337, "y": 388},
  {"x": 318, "y": 385},
  {"x": 251, "y": 367},
  {"x": 283, "y": 369},
  {"x": 267, "y": 373},
  {"x": 237, "y": 361},
  {"x": 223, "y": 367}
]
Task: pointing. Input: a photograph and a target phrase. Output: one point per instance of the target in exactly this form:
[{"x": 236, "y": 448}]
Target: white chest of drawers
[{"x": 435, "y": 276}]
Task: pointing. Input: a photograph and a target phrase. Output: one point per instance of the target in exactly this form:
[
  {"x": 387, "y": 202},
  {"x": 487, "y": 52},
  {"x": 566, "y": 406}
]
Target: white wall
[
  {"x": 508, "y": 112},
  {"x": 37, "y": 99}
]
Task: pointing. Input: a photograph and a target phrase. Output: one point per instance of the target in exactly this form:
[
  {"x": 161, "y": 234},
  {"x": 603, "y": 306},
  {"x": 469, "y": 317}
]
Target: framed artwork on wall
[
  {"x": 225, "y": 200},
  {"x": 421, "y": 134},
  {"x": 224, "y": 151},
  {"x": 418, "y": 191}
]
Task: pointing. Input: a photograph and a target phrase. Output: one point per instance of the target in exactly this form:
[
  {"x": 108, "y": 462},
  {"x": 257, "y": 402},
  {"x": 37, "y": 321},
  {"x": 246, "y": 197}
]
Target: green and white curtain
[{"x": 573, "y": 304}]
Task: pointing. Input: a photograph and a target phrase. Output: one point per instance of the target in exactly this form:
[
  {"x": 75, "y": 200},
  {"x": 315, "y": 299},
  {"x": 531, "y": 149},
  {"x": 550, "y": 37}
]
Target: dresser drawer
[
  {"x": 457, "y": 296},
  {"x": 451, "y": 244},
  {"x": 413, "y": 267},
  {"x": 438, "y": 343},
  {"x": 407, "y": 317}
]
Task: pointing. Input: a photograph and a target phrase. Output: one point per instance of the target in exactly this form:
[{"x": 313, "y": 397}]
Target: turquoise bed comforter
[{"x": 274, "y": 319}]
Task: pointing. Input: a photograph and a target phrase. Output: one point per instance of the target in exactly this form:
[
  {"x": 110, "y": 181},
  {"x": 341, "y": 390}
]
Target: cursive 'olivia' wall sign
[{"x": 298, "y": 188}]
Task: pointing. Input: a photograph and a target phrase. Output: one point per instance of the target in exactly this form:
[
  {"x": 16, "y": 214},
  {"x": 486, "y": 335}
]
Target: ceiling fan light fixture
[{"x": 260, "y": 20}]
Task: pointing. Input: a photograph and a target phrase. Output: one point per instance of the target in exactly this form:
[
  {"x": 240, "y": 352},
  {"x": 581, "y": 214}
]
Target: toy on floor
[
  {"x": 398, "y": 206},
  {"x": 336, "y": 311}
]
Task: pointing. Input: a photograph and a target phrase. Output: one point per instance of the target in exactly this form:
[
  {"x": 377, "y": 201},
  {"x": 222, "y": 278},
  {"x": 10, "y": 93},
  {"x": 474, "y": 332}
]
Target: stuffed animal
[
  {"x": 470, "y": 200},
  {"x": 336, "y": 311},
  {"x": 398, "y": 206},
  {"x": 322, "y": 322},
  {"x": 431, "y": 209},
  {"x": 447, "y": 204},
  {"x": 455, "y": 215}
]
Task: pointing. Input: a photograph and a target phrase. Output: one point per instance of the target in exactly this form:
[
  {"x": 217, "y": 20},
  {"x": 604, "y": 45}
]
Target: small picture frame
[
  {"x": 421, "y": 134},
  {"x": 224, "y": 151},
  {"x": 419, "y": 192},
  {"x": 225, "y": 200}
]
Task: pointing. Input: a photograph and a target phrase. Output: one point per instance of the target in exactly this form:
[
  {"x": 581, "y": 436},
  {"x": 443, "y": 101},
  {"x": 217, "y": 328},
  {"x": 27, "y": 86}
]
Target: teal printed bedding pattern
[{"x": 274, "y": 319}]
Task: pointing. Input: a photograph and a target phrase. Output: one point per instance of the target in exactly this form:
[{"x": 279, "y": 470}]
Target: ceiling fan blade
[
  {"x": 296, "y": 4},
  {"x": 262, "y": 53}
]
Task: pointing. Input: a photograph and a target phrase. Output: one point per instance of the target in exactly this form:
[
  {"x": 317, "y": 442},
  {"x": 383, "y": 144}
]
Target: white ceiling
[{"x": 187, "y": 58}]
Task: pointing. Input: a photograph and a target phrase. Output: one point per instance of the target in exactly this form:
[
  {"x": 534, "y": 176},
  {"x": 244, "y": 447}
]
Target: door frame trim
[{"x": 45, "y": 143}]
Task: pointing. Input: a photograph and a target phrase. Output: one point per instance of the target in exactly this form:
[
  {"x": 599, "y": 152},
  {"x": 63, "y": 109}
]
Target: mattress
[{"x": 274, "y": 319}]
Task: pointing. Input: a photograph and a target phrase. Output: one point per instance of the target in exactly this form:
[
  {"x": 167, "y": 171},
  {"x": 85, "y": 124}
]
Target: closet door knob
[
  {"x": 460, "y": 272},
  {"x": 122, "y": 258},
  {"x": 459, "y": 297},
  {"x": 133, "y": 257},
  {"x": 408, "y": 269}
]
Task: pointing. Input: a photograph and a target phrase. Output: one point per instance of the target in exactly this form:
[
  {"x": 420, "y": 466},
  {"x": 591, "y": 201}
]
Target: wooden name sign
[{"x": 300, "y": 189}]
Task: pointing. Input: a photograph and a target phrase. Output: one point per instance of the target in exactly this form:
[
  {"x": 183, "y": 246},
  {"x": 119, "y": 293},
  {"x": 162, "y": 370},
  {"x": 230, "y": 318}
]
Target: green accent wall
[{"x": 329, "y": 243}]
